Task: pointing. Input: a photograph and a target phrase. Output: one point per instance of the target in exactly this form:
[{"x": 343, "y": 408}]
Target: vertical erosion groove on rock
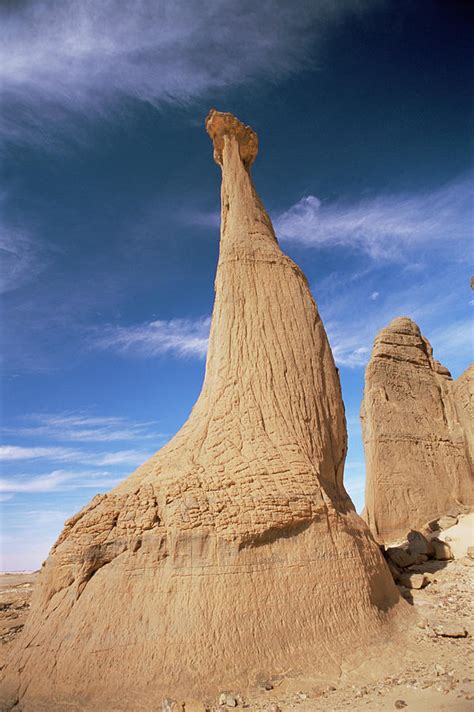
[
  {"x": 417, "y": 426},
  {"x": 235, "y": 550}
]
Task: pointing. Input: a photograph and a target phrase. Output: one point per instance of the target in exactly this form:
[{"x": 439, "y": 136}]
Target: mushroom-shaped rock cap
[{"x": 222, "y": 123}]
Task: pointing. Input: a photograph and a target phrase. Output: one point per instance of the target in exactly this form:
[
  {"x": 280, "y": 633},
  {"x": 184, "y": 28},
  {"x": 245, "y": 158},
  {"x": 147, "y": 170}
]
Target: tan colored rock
[
  {"x": 445, "y": 522},
  {"x": 235, "y": 549},
  {"x": 450, "y": 629},
  {"x": 417, "y": 468},
  {"x": 419, "y": 544},
  {"x": 442, "y": 550},
  {"x": 394, "y": 570},
  {"x": 413, "y": 580},
  {"x": 401, "y": 557},
  {"x": 421, "y": 559},
  {"x": 464, "y": 401}
]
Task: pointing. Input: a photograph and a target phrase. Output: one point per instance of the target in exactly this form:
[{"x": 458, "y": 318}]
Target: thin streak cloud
[
  {"x": 84, "y": 428},
  {"x": 86, "y": 59},
  {"x": 182, "y": 338},
  {"x": 385, "y": 227},
  {"x": 15, "y": 452},
  {"x": 53, "y": 481},
  {"x": 351, "y": 335},
  {"x": 454, "y": 339},
  {"x": 59, "y": 454},
  {"x": 22, "y": 257}
]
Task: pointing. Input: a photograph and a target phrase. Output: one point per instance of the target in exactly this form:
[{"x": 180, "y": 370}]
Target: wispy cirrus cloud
[
  {"x": 121, "y": 457},
  {"x": 347, "y": 350},
  {"x": 454, "y": 339},
  {"x": 56, "y": 480},
  {"x": 84, "y": 428},
  {"x": 86, "y": 431},
  {"x": 179, "y": 337},
  {"x": 5, "y": 497},
  {"x": 42, "y": 483},
  {"x": 86, "y": 59},
  {"x": 15, "y": 452},
  {"x": 42, "y": 517},
  {"x": 22, "y": 257},
  {"x": 386, "y": 226},
  {"x": 351, "y": 335},
  {"x": 352, "y": 347},
  {"x": 79, "y": 457}
]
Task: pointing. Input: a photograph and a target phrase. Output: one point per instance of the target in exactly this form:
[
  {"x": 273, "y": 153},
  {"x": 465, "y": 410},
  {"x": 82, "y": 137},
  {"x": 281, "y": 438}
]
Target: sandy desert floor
[
  {"x": 434, "y": 671},
  {"x": 15, "y": 595}
]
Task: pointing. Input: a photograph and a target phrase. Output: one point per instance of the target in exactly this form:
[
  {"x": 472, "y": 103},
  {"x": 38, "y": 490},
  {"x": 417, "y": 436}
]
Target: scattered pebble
[
  {"x": 226, "y": 700},
  {"x": 450, "y": 630},
  {"x": 409, "y": 580},
  {"x": 442, "y": 550}
]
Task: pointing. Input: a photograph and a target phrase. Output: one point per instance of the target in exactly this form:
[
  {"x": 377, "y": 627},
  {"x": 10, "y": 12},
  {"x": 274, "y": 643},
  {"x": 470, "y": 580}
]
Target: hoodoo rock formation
[
  {"x": 418, "y": 435},
  {"x": 235, "y": 550}
]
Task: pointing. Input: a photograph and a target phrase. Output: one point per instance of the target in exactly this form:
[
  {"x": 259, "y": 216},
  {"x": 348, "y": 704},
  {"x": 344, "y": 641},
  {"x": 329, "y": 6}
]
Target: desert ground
[
  {"x": 434, "y": 671},
  {"x": 15, "y": 597}
]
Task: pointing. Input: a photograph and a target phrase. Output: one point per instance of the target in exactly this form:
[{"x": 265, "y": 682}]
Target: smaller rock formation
[
  {"x": 464, "y": 401},
  {"x": 418, "y": 435},
  {"x": 413, "y": 563}
]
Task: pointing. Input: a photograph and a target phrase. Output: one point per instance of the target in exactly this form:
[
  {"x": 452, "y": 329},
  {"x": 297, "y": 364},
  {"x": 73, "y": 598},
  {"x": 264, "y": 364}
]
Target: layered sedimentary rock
[
  {"x": 235, "y": 550},
  {"x": 417, "y": 435}
]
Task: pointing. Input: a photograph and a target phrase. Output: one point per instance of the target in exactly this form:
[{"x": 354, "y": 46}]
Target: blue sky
[{"x": 109, "y": 204}]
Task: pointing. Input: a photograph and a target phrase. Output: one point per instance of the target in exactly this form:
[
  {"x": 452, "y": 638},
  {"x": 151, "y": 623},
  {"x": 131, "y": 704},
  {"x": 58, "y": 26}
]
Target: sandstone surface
[
  {"x": 431, "y": 671},
  {"x": 418, "y": 435},
  {"x": 464, "y": 401},
  {"x": 235, "y": 551}
]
